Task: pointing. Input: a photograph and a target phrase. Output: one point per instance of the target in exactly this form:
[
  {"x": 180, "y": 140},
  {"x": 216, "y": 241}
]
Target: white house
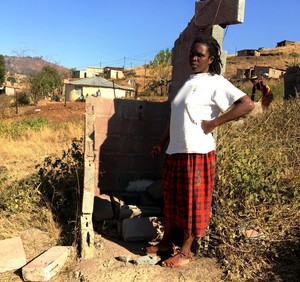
[{"x": 96, "y": 86}]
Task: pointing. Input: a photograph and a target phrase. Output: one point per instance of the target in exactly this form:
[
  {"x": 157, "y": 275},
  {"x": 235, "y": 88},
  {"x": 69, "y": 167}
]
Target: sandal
[{"x": 179, "y": 259}]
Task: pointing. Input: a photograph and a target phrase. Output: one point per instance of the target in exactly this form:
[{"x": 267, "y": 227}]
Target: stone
[
  {"x": 147, "y": 260},
  {"x": 12, "y": 254}
]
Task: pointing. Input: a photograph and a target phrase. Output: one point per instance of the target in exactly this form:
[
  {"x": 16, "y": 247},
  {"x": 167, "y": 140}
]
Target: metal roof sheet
[{"x": 96, "y": 82}]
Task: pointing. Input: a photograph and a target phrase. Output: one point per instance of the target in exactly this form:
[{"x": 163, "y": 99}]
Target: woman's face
[{"x": 200, "y": 58}]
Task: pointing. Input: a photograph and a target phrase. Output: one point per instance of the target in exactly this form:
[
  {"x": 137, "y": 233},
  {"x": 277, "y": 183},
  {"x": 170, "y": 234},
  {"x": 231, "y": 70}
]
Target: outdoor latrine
[{"x": 119, "y": 134}]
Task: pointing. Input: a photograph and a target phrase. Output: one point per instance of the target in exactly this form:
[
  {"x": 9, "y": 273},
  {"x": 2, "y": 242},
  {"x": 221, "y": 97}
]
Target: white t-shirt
[{"x": 202, "y": 97}]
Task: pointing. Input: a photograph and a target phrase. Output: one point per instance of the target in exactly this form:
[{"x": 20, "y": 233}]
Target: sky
[{"x": 128, "y": 33}]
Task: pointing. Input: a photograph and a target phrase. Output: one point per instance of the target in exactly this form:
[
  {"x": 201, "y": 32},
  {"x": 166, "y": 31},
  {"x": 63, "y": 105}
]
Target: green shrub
[
  {"x": 61, "y": 181},
  {"x": 23, "y": 99},
  {"x": 18, "y": 128},
  {"x": 21, "y": 196},
  {"x": 257, "y": 188}
]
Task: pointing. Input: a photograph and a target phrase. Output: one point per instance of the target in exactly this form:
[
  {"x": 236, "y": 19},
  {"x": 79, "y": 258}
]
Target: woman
[{"x": 189, "y": 168}]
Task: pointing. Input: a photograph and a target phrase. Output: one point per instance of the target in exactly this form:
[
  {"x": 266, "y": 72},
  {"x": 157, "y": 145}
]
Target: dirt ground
[
  {"x": 106, "y": 264},
  {"x": 114, "y": 260},
  {"x": 57, "y": 112}
]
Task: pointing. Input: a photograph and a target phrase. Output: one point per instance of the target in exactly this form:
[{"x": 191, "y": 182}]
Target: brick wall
[{"x": 123, "y": 133}]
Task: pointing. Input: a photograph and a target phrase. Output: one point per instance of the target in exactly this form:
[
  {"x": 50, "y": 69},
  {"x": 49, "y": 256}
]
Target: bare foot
[{"x": 179, "y": 259}]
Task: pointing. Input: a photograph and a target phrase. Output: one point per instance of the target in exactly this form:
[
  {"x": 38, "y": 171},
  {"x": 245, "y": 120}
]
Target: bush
[
  {"x": 23, "y": 99},
  {"x": 257, "y": 190},
  {"x": 5, "y": 102},
  {"x": 61, "y": 183},
  {"x": 57, "y": 185},
  {"x": 21, "y": 196}
]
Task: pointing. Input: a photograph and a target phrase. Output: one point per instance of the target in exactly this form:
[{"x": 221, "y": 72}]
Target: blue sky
[{"x": 77, "y": 33}]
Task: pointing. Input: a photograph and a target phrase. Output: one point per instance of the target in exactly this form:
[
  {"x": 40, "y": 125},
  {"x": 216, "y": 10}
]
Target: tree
[
  {"x": 12, "y": 80},
  {"x": 2, "y": 69},
  {"x": 44, "y": 82},
  {"x": 161, "y": 69}
]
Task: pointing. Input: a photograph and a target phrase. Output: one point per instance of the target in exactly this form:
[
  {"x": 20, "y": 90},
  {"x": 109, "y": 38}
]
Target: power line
[{"x": 121, "y": 61}]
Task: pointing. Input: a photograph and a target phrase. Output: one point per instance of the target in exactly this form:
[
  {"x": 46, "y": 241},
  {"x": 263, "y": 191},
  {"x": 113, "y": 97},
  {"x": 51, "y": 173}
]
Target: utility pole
[{"x": 145, "y": 75}]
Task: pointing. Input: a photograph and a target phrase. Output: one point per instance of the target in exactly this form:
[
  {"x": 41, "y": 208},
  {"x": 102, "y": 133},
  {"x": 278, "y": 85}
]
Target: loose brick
[{"x": 48, "y": 264}]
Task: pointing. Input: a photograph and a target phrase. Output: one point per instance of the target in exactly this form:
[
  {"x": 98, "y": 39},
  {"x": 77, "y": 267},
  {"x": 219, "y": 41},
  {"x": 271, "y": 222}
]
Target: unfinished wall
[{"x": 124, "y": 132}]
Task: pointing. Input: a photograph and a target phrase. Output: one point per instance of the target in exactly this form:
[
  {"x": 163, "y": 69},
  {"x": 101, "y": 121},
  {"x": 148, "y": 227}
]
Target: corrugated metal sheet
[{"x": 96, "y": 82}]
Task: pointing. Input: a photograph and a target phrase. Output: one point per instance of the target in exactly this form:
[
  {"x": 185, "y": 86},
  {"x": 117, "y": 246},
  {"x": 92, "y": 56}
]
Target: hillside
[
  {"x": 29, "y": 65},
  {"x": 274, "y": 57}
]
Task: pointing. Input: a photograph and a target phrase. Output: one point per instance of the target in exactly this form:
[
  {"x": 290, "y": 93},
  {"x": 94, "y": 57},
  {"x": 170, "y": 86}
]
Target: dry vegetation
[
  {"x": 35, "y": 133},
  {"x": 257, "y": 189}
]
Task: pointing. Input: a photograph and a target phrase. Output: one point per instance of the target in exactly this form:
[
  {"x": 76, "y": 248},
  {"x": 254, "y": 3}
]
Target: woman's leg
[{"x": 184, "y": 256}]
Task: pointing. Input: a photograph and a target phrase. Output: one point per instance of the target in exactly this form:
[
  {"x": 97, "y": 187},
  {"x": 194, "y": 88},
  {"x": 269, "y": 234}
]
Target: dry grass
[
  {"x": 21, "y": 155},
  {"x": 35, "y": 224}
]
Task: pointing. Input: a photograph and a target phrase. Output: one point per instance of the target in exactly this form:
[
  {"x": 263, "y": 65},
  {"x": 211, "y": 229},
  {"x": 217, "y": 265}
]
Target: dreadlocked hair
[{"x": 214, "y": 50}]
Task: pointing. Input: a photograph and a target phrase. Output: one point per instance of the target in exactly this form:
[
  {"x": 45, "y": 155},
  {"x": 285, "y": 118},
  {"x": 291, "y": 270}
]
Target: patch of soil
[
  {"x": 57, "y": 112},
  {"x": 105, "y": 266}
]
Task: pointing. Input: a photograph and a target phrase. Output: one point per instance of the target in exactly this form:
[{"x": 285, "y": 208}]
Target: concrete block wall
[
  {"x": 211, "y": 17},
  {"x": 124, "y": 133}
]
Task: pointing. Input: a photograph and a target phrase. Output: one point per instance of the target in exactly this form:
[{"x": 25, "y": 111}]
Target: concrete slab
[
  {"x": 48, "y": 264},
  {"x": 12, "y": 254}
]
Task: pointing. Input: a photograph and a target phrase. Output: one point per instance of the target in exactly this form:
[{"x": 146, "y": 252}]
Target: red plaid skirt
[{"x": 188, "y": 183}]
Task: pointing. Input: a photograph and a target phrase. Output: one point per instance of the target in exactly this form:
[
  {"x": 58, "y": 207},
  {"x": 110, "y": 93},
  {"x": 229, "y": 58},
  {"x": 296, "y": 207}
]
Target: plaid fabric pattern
[{"x": 188, "y": 182}]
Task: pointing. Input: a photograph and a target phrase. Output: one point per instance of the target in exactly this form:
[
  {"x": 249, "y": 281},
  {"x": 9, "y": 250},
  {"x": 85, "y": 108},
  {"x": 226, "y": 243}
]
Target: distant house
[
  {"x": 284, "y": 43},
  {"x": 9, "y": 90},
  {"x": 89, "y": 72},
  {"x": 113, "y": 73},
  {"x": 96, "y": 86},
  {"x": 248, "y": 52},
  {"x": 266, "y": 71}
]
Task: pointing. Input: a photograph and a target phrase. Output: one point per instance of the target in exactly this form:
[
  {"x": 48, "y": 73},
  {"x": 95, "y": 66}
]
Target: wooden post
[{"x": 17, "y": 105}]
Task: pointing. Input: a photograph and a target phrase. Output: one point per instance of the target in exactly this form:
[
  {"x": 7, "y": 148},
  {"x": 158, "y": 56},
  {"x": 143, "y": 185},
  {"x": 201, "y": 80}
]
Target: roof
[{"x": 97, "y": 82}]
